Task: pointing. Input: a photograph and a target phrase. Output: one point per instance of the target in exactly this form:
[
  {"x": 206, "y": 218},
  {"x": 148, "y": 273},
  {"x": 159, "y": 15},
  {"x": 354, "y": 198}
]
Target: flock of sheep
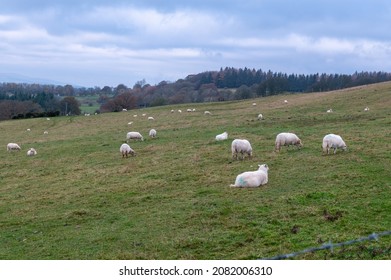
[
  {"x": 243, "y": 147},
  {"x": 238, "y": 146}
]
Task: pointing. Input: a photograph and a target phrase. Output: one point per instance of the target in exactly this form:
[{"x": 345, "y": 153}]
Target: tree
[{"x": 70, "y": 106}]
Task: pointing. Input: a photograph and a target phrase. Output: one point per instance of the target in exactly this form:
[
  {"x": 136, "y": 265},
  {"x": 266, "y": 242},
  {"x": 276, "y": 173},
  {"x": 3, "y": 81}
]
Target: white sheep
[
  {"x": 172, "y": 111},
  {"x": 366, "y": 109},
  {"x": 45, "y": 132},
  {"x": 260, "y": 117},
  {"x": 285, "y": 101},
  {"x": 151, "y": 118},
  {"x": 31, "y": 152},
  {"x": 189, "y": 110},
  {"x": 252, "y": 179},
  {"x": 134, "y": 135},
  {"x": 207, "y": 113},
  {"x": 152, "y": 133},
  {"x": 126, "y": 150},
  {"x": 329, "y": 111},
  {"x": 222, "y": 136},
  {"x": 333, "y": 141},
  {"x": 254, "y": 104},
  {"x": 13, "y": 147},
  {"x": 179, "y": 111},
  {"x": 287, "y": 139},
  {"x": 242, "y": 146}
]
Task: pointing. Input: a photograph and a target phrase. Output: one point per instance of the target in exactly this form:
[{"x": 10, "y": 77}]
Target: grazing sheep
[
  {"x": 134, "y": 135},
  {"x": 134, "y": 116},
  {"x": 254, "y": 104},
  {"x": 287, "y": 139},
  {"x": 252, "y": 179},
  {"x": 333, "y": 141},
  {"x": 124, "y": 110},
  {"x": 260, "y": 117},
  {"x": 329, "y": 111},
  {"x": 222, "y": 136},
  {"x": 207, "y": 113},
  {"x": 189, "y": 110},
  {"x": 129, "y": 123},
  {"x": 152, "y": 133},
  {"x": 125, "y": 150},
  {"x": 31, "y": 152},
  {"x": 13, "y": 147},
  {"x": 285, "y": 101},
  {"x": 172, "y": 111},
  {"x": 242, "y": 146},
  {"x": 366, "y": 109},
  {"x": 28, "y": 129},
  {"x": 150, "y": 118},
  {"x": 144, "y": 115},
  {"x": 45, "y": 132},
  {"x": 179, "y": 111}
]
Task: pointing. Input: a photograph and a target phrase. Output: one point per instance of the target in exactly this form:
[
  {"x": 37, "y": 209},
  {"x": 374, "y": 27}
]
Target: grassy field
[{"x": 79, "y": 199}]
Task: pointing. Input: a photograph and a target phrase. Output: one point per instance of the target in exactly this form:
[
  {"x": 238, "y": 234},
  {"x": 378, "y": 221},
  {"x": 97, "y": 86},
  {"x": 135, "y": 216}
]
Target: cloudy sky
[{"x": 109, "y": 42}]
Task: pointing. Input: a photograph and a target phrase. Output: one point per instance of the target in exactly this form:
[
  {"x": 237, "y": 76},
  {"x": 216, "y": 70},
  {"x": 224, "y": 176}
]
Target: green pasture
[{"x": 79, "y": 199}]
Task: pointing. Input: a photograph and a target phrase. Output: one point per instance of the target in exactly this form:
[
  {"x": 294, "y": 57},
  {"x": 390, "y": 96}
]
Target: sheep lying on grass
[
  {"x": 13, "y": 147},
  {"x": 287, "y": 139},
  {"x": 222, "y": 136},
  {"x": 31, "y": 152},
  {"x": 252, "y": 179},
  {"x": 242, "y": 146},
  {"x": 333, "y": 141},
  {"x": 125, "y": 150}
]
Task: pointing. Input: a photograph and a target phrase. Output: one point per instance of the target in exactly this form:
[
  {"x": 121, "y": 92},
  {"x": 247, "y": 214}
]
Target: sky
[{"x": 110, "y": 42}]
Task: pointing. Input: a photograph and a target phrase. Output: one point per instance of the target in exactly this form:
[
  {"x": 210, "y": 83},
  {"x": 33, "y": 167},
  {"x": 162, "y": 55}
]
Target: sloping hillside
[{"x": 79, "y": 199}]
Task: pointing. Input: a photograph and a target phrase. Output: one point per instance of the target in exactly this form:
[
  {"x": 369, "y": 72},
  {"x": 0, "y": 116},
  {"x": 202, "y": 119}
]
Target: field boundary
[{"x": 330, "y": 246}]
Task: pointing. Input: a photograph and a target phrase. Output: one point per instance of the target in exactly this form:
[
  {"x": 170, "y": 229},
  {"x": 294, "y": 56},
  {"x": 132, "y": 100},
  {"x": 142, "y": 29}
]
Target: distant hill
[{"x": 22, "y": 79}]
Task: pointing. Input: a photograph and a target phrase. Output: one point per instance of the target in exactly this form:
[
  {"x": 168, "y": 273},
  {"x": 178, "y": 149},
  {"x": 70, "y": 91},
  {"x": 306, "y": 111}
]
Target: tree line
[{"x": 35, "y": 100}]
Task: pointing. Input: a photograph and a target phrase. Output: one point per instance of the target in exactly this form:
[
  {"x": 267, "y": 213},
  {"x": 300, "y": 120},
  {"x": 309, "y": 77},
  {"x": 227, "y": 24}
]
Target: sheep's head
[{"x": 263, "y": 167}]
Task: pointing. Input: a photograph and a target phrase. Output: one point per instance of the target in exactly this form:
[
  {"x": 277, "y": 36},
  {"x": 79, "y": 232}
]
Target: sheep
[
  {"x": 172, "y": 111},
  {"x": 179, "y": 111},
  {"x": 366, "y": 109},
  {"x": 207, "y": 113},
  {"x": 125, "y": 150},
  {"x": 285, "y": 101},
  {"x": 134, "y": 116},
  {"x": 242, "y": 146},
  {"x": 134, "y": 135},
  {"x": 254, "y": 104},
  {"x": 189, "y": 110},
  {"x": 45, "y": 132},
  {"x": 222, "y": 136},
  {"x": 144, "y": 115},
  {"x": 260, "y": 117},
  {"x": 124, "y": 110},
  {"x": 152, "y": 133},
  {"x": 252, "y": 179},
  {"x": 28, "y": 129},
  {"x": 287, "y": 139},
  {"x": 13, "y": 147},
  {"x": 333, "y": 141},
  {"x": 329, "y": 111},
  {"x": 150, "y": 118},
  {"x": 31, "y": 152}
]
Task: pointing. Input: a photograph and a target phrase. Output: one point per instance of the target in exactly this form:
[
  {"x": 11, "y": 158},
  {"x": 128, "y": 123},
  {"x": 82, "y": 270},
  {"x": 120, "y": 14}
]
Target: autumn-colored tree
[{"x": 70, "y": 106}]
